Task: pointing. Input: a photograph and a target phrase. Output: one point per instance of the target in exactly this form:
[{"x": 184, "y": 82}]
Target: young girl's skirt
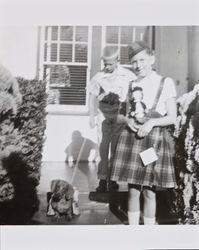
[{"x": 128, "y": 166}]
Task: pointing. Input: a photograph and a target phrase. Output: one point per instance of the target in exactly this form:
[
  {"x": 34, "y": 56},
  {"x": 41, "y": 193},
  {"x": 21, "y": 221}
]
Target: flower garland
[{"x": 186, "y": 134}]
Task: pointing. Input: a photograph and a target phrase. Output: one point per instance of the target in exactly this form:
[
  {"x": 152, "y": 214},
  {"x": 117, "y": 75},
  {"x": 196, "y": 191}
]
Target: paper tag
[{"x": 148, "y": 156}]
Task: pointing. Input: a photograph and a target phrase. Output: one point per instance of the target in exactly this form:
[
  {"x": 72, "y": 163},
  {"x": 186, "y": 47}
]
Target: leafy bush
[
  {"x": 22, "y": 126},
  {"x": 187, "y": 157},
  {"x": 31, "y": 123}
]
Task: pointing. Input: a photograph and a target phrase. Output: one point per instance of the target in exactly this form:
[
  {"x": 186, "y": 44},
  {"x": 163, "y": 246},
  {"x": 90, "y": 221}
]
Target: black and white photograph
[{"x": 99, "y": 129}]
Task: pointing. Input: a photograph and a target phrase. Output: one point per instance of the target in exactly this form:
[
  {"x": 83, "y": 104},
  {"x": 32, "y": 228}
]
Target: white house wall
[
  {"x": 172, "y": 54},
  {"x": 59, "y": 136}
]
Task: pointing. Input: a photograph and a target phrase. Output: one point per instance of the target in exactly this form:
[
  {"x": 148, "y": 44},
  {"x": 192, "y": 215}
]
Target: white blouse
[
  {"x": 116, "y": 82},
  {"x": 150, "y": 85}
]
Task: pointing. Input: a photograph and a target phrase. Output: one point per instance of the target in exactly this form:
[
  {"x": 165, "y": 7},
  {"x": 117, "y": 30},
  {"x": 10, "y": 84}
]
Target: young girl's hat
[
  {"x": 110, "y": 52},
  {"x": 137, "y": 47}
]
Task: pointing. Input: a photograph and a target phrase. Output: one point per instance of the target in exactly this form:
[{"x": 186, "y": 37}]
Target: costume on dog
[{"x": 63, "y": 200}]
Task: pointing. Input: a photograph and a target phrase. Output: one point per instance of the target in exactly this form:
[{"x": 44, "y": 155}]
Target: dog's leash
[
  {"x": 76, "y": 192},
  {"x": 50, "y": 211},
  {"x": 77, "y": 161}
]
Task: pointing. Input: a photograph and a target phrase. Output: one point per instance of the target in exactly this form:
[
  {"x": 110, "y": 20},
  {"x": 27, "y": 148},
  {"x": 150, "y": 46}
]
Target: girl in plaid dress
[{"x": 149, "y": 132}]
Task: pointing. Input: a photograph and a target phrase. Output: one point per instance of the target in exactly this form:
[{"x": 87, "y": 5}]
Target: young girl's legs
[
  {"x": 134, "y": 204},
  {"x": 149, "y": 206}
]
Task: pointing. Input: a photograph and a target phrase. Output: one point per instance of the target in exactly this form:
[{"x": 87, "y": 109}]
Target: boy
[{"x": 109, "y": 87}]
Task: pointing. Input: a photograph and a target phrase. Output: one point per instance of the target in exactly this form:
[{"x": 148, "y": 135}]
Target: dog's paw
[
  {"x": 68, "y": 217},
  {"x": 56, "y": 216}
]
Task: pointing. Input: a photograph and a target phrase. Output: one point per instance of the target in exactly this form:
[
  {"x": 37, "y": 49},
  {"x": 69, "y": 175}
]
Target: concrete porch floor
[{"x": 84, "y": 178}]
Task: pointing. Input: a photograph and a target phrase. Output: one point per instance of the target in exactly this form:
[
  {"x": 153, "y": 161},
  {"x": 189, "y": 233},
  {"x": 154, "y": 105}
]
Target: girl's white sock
[
  {"x": 149, "y": 221},
  {"x": 134, "y": 218}
]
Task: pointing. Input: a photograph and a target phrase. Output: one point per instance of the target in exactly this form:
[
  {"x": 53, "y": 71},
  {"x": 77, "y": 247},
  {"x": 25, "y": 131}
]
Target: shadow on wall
[{"x": 81, "y": 149}]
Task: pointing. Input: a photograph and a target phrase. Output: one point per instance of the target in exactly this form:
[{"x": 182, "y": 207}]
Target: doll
[{"x": 137, "y": 107}]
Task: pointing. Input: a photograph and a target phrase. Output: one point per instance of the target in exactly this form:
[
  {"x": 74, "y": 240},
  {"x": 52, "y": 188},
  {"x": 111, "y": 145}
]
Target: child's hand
[
  {"x": 92, "y": 122},
  {"x": 141, "y": 120},
  {"x": 121, "y": 118},
  {"x": 145, "y": 129},
  {"x": 133, "y": 125}
]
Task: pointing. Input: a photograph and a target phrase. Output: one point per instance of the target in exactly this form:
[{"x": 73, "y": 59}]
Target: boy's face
[
  {"x": 137, "y": 95},
  {"x": 142, "y": 63},
  {"x": 110, "y": 65}
]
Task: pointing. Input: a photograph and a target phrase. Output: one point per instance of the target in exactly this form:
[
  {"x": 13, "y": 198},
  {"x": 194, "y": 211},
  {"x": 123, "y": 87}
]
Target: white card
[{"x": 148, "y": 156}]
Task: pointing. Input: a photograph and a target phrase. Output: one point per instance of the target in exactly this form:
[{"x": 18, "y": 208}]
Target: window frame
[
  {"x": 78, "y": 109},
  {"x": 119, "y": 44},
  {"x": 63, "y": 108}
]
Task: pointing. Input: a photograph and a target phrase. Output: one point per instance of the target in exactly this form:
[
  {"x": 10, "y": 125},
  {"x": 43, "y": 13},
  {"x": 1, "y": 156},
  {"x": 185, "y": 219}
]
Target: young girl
[{"x": 159, "y": 97}]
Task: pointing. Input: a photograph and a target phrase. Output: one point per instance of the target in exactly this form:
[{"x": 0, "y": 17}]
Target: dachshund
[{"x": 63, "y": 197}]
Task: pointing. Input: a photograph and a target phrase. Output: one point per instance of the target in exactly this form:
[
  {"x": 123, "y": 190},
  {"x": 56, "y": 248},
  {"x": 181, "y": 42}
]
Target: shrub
[{"x": 22, "y": 126}]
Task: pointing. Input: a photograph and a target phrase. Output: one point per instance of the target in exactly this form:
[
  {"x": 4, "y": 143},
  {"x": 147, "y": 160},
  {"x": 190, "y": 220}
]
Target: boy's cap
[
  {"x": 110, "y": 52},
  {"x": 137, "y": 47}
]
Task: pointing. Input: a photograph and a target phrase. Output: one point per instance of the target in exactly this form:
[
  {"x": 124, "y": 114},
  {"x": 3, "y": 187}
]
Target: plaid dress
[{"x": 128, "y": 166}]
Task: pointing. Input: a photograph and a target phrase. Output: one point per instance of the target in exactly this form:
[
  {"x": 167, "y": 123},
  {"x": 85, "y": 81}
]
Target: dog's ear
[
  {"x": 57, "y": 185},
  {"x": 69, "y": 192},
  {"x": 53, "y": 185}
]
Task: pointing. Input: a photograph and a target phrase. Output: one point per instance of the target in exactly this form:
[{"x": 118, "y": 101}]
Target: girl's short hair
[{"x": 137, "y": 47}]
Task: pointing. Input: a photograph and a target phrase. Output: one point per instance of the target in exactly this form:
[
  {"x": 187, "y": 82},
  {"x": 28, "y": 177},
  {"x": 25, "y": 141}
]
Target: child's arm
[
  {"x": 169, "y": 119},
  {"x": 92, "y": 104},
  {"x": 94, "y": 91}
]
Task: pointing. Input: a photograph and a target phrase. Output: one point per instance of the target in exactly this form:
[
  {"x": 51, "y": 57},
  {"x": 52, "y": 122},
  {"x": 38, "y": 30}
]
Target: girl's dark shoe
[
  {"x": 102, "y": 186},
  {"x": 113, "y": 186}
]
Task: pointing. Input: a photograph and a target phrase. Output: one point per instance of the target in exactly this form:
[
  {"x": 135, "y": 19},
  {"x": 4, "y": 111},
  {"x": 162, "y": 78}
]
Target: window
[
  {"x": 65, "y": 59},
  {"x": 122, "y": 36},
  {"x": 65, "y": 64}
]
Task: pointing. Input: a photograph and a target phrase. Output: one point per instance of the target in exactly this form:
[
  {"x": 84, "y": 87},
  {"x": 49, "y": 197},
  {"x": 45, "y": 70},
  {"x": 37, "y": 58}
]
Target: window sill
[{"x": 67, "y": 109}]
